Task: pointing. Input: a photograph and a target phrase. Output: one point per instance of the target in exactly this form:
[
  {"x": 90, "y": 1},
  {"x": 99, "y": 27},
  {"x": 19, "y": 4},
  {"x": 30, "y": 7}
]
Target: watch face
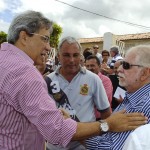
[{"x": 104, "y": 127}]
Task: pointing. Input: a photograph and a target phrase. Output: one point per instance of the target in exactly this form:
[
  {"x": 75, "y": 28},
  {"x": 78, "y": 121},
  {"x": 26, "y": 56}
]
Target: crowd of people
[{"x": 70, "y": 106}]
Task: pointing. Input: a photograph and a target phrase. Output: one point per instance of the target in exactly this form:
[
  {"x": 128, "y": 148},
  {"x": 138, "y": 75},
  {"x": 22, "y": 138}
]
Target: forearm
[
  {"x": 86, "y": 130},
  {"x": 117, "y": 122}
]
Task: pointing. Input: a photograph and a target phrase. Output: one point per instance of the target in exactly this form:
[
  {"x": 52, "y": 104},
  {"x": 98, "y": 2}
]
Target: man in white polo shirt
[{"x": 74, "y": 88}]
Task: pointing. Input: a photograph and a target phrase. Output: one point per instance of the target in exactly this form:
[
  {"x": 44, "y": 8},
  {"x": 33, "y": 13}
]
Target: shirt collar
[
  {"x": 11, "y": 47},
  {"x": 99, "y": 74},
  {"x": 138, "y": 96},
  {"x": 117, "y": 55},
  {"x": 82, "y": 70}
]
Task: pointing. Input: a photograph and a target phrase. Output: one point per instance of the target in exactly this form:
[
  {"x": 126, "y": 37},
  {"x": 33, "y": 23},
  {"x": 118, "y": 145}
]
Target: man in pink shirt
[
  {"x": 28, "y": 116},
  {"x": 93, "y": 64}
]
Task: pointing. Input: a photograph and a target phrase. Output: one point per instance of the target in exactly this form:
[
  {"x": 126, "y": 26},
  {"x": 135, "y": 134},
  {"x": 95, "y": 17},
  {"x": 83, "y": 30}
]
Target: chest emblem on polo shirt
[{"x": 84, "y": 89}]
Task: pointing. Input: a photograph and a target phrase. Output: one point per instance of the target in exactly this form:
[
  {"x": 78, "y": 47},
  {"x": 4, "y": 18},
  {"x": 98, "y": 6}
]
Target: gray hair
[
  {"x": 115, "y": 49},
  {"x": 142, "y": 54},
  {"x": 29, "y": 21},
  {"x": 69, "y": 40}
]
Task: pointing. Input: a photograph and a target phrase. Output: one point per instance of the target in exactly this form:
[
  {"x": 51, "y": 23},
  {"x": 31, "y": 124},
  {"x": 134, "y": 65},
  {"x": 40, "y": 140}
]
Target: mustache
[{"x": 121, "y": 75}]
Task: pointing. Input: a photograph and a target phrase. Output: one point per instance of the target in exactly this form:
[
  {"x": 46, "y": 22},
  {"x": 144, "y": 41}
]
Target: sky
[{"x": 92, "y": 18}]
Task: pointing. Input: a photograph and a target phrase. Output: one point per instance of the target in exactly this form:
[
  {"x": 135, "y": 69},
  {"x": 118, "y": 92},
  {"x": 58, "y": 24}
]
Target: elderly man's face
[{"x": 130, "y": 78}]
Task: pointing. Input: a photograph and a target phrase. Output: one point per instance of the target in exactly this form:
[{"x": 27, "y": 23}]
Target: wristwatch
[{"x": 104, "y": 126}]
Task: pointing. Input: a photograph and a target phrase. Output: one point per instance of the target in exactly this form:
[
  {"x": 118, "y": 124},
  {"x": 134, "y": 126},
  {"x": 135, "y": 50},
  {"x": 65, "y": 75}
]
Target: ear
[
  {"x": 145, "y": 74},
  {"x": 23, "y": 37}
]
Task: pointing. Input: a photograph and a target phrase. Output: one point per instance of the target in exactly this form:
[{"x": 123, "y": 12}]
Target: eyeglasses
[
  {"x": 127, "y": 65},
  {"x": 44, "y": 38},
  {"x": 95, "y": 47},
  {"x": 105, "y": 55}
]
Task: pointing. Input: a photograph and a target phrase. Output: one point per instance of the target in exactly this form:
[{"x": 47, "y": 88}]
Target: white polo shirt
[{"x": 85, "y": 90}]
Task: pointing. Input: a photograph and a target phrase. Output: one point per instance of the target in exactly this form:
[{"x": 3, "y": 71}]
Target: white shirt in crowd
[{"x": 139, "y": 139}]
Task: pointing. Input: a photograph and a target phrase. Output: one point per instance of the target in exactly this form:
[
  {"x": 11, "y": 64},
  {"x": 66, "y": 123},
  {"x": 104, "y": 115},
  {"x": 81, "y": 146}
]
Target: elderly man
[{"x": 134, "y": 75}]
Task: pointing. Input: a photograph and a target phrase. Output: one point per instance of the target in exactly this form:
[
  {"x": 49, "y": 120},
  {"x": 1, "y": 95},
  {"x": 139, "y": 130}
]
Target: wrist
[{"x": 104, "y": 126}]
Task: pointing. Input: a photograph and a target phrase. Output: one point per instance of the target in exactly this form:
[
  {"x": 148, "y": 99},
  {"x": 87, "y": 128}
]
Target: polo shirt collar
[{"x": 82, "y": 70}]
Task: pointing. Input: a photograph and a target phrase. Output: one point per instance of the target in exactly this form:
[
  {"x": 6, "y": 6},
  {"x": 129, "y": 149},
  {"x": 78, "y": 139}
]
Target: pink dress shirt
[
  {"x": 108, "y": 88},
  {"x": 28, "y": 116}
]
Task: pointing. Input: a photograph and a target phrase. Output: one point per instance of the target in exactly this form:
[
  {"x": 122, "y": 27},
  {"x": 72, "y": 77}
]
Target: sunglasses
[{"x": 127, "y": 65}]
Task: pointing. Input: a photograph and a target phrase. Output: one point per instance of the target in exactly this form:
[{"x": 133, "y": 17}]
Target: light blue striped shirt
[{"x": 138, "y": 101}]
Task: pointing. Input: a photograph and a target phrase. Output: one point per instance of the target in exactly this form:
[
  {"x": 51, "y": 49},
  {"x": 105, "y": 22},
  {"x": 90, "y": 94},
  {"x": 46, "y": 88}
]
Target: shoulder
[
  {"x": 118, "y": 57},
  {"x": 52, "y": 74},
  {"x": 92, "y": 78},
  {"x": 91, "y": 74}
]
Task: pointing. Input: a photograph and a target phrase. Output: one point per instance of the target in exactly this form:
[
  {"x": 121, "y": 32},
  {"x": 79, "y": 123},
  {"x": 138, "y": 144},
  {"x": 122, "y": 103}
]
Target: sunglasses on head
[{"x": 126, "y": 65}]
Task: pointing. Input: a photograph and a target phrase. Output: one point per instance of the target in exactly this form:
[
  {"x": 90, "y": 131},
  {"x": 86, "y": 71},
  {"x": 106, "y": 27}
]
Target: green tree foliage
[
  {"x": 3, "y": 37},
  {"x": 54, "y": 38}
]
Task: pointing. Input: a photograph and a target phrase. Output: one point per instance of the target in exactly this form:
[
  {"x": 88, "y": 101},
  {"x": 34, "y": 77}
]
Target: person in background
[
  {"x": 116, "y": 101},
  {"x": 114, "y": 53},
  {"x": 42, "y": 66},
  {"x": 82, "y": 61},
  {"x": 87, "y": 52},
  {"x": 105, "y": 57},
  {"x": 93, "y": 64},
  {"x": 134, "y": 75},
  {"x": 56, "y": 63},
  {"x": 28, "y": 116},
  {"x": 96, "y": 52},
  {"x": 105, "y": 62},
  {"x": 49, "y": 66}
]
